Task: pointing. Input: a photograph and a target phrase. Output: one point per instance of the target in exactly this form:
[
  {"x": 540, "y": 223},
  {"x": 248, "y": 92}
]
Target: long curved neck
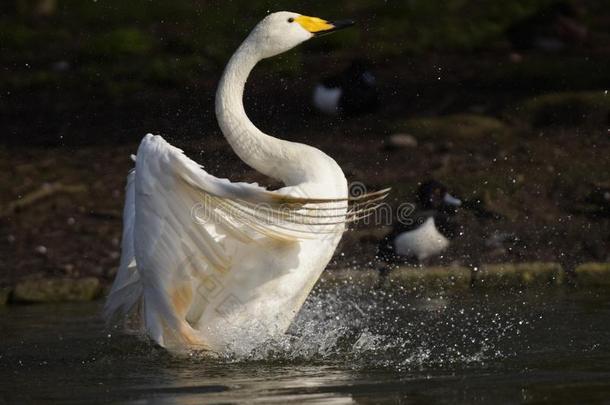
[{"x": 271, "y": 156}]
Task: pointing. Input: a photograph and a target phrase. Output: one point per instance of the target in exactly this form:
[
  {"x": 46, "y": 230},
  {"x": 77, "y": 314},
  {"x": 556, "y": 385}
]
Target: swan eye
[{"x": 291, "y": 20}]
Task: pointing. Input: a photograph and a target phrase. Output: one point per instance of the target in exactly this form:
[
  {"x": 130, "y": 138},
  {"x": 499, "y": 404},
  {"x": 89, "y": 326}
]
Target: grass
[
  {"x": 589, "y": 109},
  {"x": 463, "y": 128},
  {"x": 101, "y": 35}
]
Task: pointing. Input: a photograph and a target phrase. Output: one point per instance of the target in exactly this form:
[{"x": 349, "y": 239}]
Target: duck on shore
[
  {"x": 350, "y": 93},
  {"x": 425, "y": 234}
]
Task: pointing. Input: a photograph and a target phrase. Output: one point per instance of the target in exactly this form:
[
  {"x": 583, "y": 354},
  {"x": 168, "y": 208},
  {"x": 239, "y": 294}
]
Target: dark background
[{"x": 523, "y": 133}]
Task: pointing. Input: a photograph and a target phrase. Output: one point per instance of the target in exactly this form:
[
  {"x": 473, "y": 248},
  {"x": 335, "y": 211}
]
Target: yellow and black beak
[{"x": 318, "y": 26}]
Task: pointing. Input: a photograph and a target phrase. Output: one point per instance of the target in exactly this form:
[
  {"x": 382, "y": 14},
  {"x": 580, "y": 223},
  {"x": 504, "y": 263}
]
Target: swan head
[{"x": 282, "y": 31}]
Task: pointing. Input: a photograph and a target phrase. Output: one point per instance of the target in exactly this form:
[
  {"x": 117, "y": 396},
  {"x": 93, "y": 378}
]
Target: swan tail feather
[
  {"x": 127, "y": 288},
  {"x": 164, "y": 320},
  {"x": 123, "y": 298}
]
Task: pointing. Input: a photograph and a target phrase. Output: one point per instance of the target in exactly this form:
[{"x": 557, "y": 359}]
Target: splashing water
[
  {"x": 348, "y": 343},
  {"x": 393, "y": 328}
]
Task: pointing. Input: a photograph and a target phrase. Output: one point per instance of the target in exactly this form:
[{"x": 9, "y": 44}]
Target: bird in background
[
  {"x": 427, "y": 232},
  {"x": 210, "y": 264},
  {"x": 551, "y": 29},
  {"x": 350, "y": 93}
]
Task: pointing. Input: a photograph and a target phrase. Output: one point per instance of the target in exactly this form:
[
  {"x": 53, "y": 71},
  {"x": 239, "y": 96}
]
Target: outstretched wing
[
  {"x": 170, "y": 180},
  {"x": 188, "y": 223},
  {"x": 127, "y": 288}
]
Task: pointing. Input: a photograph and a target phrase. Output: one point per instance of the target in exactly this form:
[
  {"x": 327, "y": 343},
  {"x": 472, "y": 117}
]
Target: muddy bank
[
  {"x": 545, "y": 183},
  {"x": 527, "y": 141}
]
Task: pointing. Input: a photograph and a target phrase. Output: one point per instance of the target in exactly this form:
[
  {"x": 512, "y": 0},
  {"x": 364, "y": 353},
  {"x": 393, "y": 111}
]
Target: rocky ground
[
  {"x": 61, "y": 206},
  {"x": 527, "y": 141}
]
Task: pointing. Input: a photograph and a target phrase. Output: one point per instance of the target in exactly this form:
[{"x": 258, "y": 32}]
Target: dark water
[{"x": 348, "y": 345}]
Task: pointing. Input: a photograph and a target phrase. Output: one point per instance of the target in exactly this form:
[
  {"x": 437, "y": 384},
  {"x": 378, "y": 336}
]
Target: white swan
[{"x": 207, "y": 262}]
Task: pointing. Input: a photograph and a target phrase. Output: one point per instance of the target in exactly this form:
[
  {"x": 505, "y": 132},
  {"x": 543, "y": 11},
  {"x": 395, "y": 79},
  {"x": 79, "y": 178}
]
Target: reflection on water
[{"x": 347, "y": 345}]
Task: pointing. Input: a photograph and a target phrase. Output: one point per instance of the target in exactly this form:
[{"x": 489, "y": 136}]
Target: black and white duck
[
  {"x": 350, "y": 93},
  {"x": 426, "y": 233}
]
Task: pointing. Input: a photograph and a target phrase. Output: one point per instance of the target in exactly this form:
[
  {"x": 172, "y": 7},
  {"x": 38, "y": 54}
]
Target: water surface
[{"x": 348, "y": 345}]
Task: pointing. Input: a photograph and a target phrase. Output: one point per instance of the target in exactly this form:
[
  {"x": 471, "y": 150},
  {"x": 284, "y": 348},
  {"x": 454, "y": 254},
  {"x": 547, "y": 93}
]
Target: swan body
[{"x": 202, "y": 265}]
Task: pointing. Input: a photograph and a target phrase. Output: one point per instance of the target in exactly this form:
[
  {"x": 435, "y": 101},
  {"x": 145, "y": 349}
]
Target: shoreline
[{"x": 443, "y": 279}]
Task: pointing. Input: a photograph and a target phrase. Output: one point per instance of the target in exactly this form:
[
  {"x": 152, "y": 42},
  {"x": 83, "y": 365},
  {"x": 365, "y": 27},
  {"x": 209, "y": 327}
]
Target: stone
[
  {"x": 363, "y": 278},
  {"x": 593, "y": 275},
  {"x": 5, "y": 293},
  {"x": 57, "y": 290},
  {"x": 401, "y": 141},
  {"x": 519, "y": 275},
  {"x": 457, "y": 129},
  {"x": 436, "y": 278},
  {"x": 564, "y": 109}
]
